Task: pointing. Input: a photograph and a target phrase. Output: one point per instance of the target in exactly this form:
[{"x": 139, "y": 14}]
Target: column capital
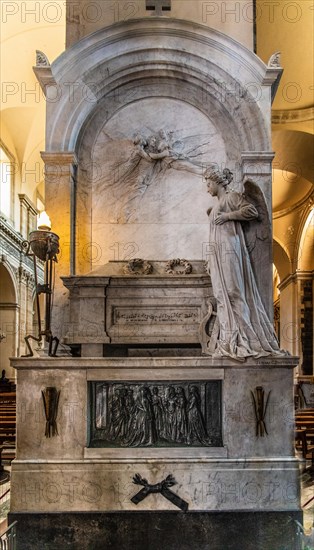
[
  {"x": 293, "y": 278},
  {"x": 59, "y": 157},
  {"x": 257, "y": 156}
]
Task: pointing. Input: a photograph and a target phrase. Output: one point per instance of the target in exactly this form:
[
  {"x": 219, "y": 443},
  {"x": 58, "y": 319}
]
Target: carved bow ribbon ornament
[{"x": 162, "y": 488}]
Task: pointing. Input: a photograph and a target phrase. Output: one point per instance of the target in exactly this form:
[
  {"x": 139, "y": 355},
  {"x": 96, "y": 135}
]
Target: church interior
[{"x": 33, "y": 35}]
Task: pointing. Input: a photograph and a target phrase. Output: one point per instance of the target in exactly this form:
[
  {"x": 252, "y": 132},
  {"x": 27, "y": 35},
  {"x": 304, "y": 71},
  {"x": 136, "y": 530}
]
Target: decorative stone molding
[
  {"x": 274, "y": 60},
  {"x": 294, "y": 278},
  {"x": 135, "y": 43},
  {"x": 11, "y": 233},
  {"x": 26, "y": 277},
  {"x": 43, "y": 72},
  {"x": 293, "y": 115},
  {"x": 307, "y": 200},
  {"x": 59, "y": 158},
  {"x": 41, "y": 59}
]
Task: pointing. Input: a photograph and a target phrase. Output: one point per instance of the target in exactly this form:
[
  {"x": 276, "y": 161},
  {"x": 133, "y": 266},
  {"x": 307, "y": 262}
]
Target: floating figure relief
[{"x": 244, "y": 327}]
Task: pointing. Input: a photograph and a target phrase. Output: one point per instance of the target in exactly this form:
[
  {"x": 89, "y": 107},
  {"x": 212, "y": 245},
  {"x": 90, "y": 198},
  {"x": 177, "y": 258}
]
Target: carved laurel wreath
[
  {"x": 137, "y": 266},
  {"x": 173, "y": 264}
]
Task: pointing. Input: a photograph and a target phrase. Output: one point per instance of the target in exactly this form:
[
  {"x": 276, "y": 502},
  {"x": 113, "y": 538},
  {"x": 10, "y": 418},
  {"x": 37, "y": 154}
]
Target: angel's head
[{"x": 216, "y": 178}]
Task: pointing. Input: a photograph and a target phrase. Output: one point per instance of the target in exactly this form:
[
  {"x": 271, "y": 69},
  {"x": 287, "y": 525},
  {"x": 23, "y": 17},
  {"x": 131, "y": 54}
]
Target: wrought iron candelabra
[{"x": 44, "y": 245}]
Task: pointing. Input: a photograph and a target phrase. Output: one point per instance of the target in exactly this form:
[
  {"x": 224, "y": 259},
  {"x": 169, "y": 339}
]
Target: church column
[
  {"x": 296, "y": 318},
  {"x": 60, "y": 172},
  {"x": 289, "y": 318}
]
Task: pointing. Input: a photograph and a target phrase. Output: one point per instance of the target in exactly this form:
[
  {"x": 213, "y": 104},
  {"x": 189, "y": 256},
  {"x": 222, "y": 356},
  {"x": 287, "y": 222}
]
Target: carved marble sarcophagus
[{"x": 152, "y": 303}]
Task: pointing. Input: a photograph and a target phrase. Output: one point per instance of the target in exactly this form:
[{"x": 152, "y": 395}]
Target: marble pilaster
[{"x": 60, "y": 200}]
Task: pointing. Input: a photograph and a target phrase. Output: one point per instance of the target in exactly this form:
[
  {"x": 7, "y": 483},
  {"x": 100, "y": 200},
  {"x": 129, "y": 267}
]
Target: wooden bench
[
  {"x": 7, "y": 418},
  {"x": 304, "y": 433}
]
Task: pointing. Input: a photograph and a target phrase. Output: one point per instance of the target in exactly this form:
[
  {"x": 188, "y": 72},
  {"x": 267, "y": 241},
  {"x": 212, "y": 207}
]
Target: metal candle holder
[{"x": 44, "y": 245}]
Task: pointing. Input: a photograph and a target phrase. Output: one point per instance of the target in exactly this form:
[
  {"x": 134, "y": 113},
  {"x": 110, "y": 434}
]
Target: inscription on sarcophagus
[
  {"x": 161, "y": 414},
  {"x": 159, "y": 316}
]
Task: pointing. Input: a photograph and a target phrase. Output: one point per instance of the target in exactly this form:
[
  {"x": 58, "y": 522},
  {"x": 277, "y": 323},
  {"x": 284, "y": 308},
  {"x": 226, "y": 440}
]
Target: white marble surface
[
  {"x": 95, "y": 486},
  {"x": 61, "y": 473},
  {"x": 122, "y": 309},
  {"x": 198, "y": 84}
]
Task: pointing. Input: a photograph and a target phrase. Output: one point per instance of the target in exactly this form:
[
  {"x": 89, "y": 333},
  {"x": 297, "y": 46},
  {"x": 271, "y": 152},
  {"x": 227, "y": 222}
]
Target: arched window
[{"x": 6, "y": 183}]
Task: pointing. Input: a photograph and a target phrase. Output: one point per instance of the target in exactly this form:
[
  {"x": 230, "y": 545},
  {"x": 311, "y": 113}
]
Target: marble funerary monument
[{"x": 174, "y": 417}]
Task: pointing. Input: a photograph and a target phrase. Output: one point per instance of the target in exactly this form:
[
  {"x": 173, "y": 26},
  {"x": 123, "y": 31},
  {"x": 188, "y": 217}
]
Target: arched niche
[{"x": 150, "y": 69}]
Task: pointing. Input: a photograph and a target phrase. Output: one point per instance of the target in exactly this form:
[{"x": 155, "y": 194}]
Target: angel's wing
[
  {"x": 193, "y": 147},
  {"x": 258, "y": 236}
]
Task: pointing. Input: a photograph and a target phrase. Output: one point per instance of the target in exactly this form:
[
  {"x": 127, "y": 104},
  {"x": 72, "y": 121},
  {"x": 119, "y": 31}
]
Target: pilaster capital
[
  {"x": 257, "y": 156},
  {"x": 67, "y": 158}
]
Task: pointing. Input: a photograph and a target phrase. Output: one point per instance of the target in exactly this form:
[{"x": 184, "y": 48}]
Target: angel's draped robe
[{"x": 244, "y": 327}]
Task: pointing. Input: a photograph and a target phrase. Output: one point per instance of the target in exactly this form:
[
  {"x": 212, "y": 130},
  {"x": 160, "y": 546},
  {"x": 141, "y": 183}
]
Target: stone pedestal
[{"x": 245, "y": 472}]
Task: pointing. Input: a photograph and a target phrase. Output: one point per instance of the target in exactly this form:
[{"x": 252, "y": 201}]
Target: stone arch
[
  {"x": 110, "y": 58},
  {"x": 305, "y": 252},
  {"x": 120, "y": 67},
  {"x": 281, "y": 259},
  {"x": 9, "y": 311}
]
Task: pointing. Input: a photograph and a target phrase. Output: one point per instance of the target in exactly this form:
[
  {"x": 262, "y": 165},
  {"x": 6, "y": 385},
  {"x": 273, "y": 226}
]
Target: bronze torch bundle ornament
[{"x": 51, "y": 401}]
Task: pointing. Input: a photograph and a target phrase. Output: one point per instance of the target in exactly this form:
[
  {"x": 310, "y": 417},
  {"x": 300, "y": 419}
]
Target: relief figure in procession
[
  {"x": 181, "y": 416},
  {"x": 159, "y": 413},
  {"x": 156, "y": 415},
  {"x": 142, "y": 428},
  {"x": 119, "y": 419},
  {"x": 196, "y": 424}
]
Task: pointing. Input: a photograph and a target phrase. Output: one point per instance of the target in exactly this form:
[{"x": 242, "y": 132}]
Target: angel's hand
[{"x": 221, "y": 218}]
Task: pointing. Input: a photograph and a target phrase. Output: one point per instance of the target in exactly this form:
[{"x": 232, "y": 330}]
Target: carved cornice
[
  {"x": 294, "y": 115},
  {"x": 10, "y": 231},
  {"x": 26, "y": 276},
  {"x": 25, "y": 201},
  {"x": 306, "y": 200},
  {"x": 43, "y": 71},
  {"x": 272, "y": 78},
  {"x": 9, "y": 306},
  {"x": 295, "y": 277},
  {"x": 257, "y": 156},
  {"x": 11, "y": 252},
  {"x": 59, "y": 158}
]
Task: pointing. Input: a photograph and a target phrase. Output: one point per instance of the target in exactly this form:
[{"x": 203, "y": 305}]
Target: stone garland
[
  {"x": 137, "y": 266},
  {"x": 172, "y": 265}
]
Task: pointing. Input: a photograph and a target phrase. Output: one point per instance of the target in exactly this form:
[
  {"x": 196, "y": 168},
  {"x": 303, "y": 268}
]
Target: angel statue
[{"x": 244, "y": 327}]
